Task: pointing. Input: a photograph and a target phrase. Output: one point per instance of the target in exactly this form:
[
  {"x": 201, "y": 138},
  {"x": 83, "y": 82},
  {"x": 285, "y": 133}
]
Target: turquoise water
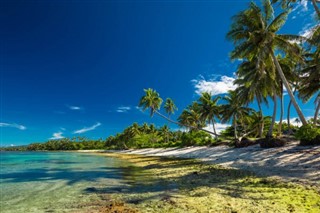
[{"x": 58, "y": 181}]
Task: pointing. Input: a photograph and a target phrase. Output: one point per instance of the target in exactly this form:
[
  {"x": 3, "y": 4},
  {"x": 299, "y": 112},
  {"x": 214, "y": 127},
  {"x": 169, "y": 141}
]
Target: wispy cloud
[
  {"x": 123, "y": 109},
  {"x": 86, "y": 129},
  {"x": 139, "y": 109},
  {"x": 75, "y": 107},
  {"x": 215, "y": 86},
  {"x": 308, "y": 30},
  {"x": 57, "y": 135},
  {"x": 301, "y": 7},
  {"x": 13, "y": 125}
]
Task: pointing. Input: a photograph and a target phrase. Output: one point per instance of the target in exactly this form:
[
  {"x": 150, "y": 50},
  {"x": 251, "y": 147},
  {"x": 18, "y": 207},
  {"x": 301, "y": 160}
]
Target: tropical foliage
[{"x": 271, "y": 64}]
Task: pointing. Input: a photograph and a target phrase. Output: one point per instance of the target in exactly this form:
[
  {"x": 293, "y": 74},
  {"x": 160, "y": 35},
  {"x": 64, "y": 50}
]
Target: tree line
[{"x": 271, "y": 64}]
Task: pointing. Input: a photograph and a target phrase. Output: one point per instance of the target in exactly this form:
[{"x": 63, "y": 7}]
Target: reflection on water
[{"x": 58, "y": 182}]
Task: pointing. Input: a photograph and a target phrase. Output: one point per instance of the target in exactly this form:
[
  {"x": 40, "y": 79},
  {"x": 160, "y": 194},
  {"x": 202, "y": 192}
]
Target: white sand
[{"x": 291, "y": 162}]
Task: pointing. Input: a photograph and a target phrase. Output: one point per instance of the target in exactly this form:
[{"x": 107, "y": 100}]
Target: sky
[{"x": 78, "y": 68}]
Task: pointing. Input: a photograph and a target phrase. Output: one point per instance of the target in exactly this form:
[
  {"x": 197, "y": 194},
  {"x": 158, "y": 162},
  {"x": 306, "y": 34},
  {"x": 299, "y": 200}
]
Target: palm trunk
[
  {"x": 314, "y": 3},
  {"x": 286, "y": 84},
  {"x": 261, "y": 126},
  {"x": 269, "y": 134},
  {"x": 214, "y": 128},
  {"x": 180, "y": 124},
  {"x": 235, "y": 128},
  {"x": 288, "y": 113},
  {"x": 281, "y": 112},
  {"x": 315, "y": 118}
]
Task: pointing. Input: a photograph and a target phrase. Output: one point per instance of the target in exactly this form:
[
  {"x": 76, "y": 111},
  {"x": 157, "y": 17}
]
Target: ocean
[{"x": 58, "y": 181}]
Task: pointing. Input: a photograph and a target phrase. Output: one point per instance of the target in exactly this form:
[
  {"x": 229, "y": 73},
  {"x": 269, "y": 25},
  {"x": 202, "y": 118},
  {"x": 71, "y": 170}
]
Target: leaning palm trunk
[
  {"x": 261, "y": 125},
  {"x": 315, "y": 118},
  {"x": 286, "y": 84},
  {"x": 314, "y": 2},
  {"x": 281, "y": 111},
  {"x": 269, "y": 134},
  {"x": 180, "y": 124},
  {"x": 288, "y": 113},
  {"x": 214, "y": 128},
  {"x": 235, "y": 128}
]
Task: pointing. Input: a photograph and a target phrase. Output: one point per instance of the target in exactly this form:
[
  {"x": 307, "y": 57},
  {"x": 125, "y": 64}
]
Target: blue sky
[{"x": 78, "y": 68}]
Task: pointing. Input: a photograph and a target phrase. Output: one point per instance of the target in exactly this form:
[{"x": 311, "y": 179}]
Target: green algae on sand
[{"x": 174, "y": 185}]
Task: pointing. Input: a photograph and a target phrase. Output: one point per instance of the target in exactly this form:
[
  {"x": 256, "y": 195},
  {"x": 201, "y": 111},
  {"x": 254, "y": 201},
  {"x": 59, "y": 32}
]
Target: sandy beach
[{"x": 290, "y": 163}]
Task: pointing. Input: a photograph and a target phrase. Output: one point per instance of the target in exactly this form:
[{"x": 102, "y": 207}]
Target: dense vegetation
[{"x": 134, "y": 137}]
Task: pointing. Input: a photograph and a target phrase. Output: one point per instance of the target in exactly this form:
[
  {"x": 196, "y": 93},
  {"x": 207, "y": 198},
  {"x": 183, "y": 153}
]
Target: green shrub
[
  {"x": 308, "y": 135},
  {"x": 197, "y": 138}
]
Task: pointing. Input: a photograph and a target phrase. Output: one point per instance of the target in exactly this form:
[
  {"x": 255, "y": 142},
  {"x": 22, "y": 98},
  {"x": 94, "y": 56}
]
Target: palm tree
[
  {"x": 310, "y": 78},
  {"x": 165, "y": 132},
  {"x": 254, "y": 33},
  {"x": 191, "y": 117},
  {"x": 152, "y": 100},
  {"x": 256, "y": 122},
  {"x": 254, "y": 84},
  {"x": 209, "y": 109},
  {"x": 170, "y": 107},
  {"x": 135, "y": 129},
  {"x": 152, "y": 128},
  {"x": 144, "y": 128},
  {"x": 234, "y": 110}
]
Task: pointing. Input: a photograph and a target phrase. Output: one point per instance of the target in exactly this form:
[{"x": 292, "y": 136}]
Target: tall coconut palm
[
  {"x": 255, "y": 35},
  {"x": 170, "y": 107},
  {"x": 254, "y": 84},
  {"x": 209, "y": 110},
  {"x": 310, "y": 81},
  {"x": 310, "y": 78},
  {"x": 289, "y": 68}
]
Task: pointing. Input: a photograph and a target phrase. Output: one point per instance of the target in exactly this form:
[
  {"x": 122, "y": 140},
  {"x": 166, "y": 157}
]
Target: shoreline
[{"x": 289, "y": 163}]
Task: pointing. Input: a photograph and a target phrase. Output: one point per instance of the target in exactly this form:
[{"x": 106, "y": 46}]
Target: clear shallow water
[{"x": 58, "y": 181}]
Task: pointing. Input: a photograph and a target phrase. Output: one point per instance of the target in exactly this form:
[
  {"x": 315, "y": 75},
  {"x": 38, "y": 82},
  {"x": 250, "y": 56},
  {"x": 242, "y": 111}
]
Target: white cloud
[
  {"x": 218, "y": 126},
  {"x": 86, "y": 129},
  {"x": 57, "y": 135},
  {"x": 295, "y": 121},
  {"x": 18, "y": 126},
  {"x": 304, "y": 4},
  {"x": 307, "y": 30},
  {"x": 214, "y": 86},
  {"x": 123, "y": 109},
  {"x": 301, "y": 7}
]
